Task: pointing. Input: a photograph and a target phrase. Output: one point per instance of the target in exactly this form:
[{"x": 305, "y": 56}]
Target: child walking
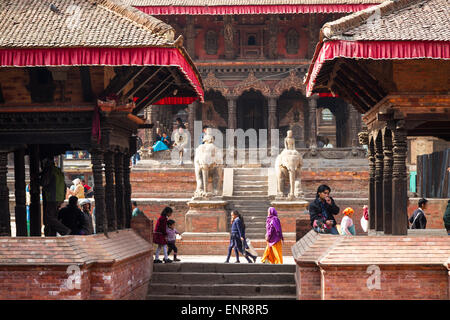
[
  {"x": 160, "y": 235},
  {"x": 347, "y": 225},
  {"x": 171, "y": 239}
]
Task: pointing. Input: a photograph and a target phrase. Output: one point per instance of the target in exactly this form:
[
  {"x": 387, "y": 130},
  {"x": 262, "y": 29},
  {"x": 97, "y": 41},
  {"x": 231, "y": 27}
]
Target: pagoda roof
[
  {"x": 402, "y": 29},
  {"x": 92, "y": 33}
]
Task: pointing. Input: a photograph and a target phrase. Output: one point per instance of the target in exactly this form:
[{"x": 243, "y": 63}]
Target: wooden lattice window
[
  {"x": 211, "y": 42},
  {"x": 292, "y": 41}
]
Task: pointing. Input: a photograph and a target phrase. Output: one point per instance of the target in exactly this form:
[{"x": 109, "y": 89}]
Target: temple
[{"x": 253, "y": 56}]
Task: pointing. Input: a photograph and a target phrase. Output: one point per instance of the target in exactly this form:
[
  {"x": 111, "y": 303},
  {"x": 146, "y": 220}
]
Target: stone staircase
[
  {"x": 250, "y": 198},
  {"x": 222, "y": 281}
]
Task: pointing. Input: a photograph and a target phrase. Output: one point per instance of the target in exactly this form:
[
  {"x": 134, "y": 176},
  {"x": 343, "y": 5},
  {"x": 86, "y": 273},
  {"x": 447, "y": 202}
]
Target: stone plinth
[
  {"x": 207, "y": 216},
  {"x": 372, "y": 267},
  {"x": 289, "y": 212}
]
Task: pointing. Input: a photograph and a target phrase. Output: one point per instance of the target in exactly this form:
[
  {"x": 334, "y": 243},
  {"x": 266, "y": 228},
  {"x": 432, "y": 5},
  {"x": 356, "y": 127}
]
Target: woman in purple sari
[{"x": 274, "y": 238}]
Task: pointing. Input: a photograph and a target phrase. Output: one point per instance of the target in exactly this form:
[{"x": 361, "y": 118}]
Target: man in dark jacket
[
  {"x": 447, "y": 218},
  {"x": 418, "y": 219},
  {"x": 322, "y": 211},
  {"x": 71, "y": 216}
]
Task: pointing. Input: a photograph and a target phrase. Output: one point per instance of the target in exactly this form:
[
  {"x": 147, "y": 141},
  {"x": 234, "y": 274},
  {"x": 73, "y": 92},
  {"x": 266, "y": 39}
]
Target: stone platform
[{"x": 373, "y": 267}]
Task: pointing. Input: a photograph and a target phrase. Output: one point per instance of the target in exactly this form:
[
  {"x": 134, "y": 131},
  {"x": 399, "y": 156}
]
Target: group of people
[
  {"x": 164, "y": 142},
  {"x": 80, "y": 189},
  {"x": 79, "y": 221}
]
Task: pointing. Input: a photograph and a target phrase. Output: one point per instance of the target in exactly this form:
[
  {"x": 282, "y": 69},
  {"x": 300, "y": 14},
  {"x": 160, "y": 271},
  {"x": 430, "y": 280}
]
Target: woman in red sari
[{"x": 160, "y": 235}]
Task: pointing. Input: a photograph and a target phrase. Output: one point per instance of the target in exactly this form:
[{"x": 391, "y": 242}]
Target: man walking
[{"x": 418, "y": 219}]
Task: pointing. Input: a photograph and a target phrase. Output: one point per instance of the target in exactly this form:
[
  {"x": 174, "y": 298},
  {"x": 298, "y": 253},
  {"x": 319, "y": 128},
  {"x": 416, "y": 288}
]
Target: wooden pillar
[
  {"x": 399, "y": 186},
  {"x": 127, "y": 189},
  {"x": 387, "y": 181},
  {"x": 190, "y": 35},
  {"x": 228, "y": 35},
  {"x": 312, "y": 102},
  {"x": 379, "y": 224},
  {"x": 110, "y": 190},
  {"x": 371, "y": 183},
  {"x": 101, "y": 221},
  {"x": 5, "y": 215},
  {"x": 232, "y": 112},
  {"x": 35, "y": 193},
  {"x": 20, "y": 193},
  {"x": 119, "y": 190}
]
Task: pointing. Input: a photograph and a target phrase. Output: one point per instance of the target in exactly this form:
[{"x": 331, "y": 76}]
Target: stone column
[
  {"x": 312, "y": 102},
  {"x": 110, "y": 190},
  {"x": 118, "y": 157},
  {"x": 127, "y": 189},
  {"x": 387, "y": 181},
  {"x": 399, "y": 185},
  {"x": 272, "y": 103},
  {"x": 101, "y": 220},
  {"x": 232, "y": 122},
  {"x": 5, "y": 219},
  {"x": 35, "y": 193},
  {"x": 20, "y": 193},
  {"x": 379, "y": 224},
  {"x": 191, "y": 118},
  {"x": 352, "y": 123},
  {"x": 371, "y": 155}
]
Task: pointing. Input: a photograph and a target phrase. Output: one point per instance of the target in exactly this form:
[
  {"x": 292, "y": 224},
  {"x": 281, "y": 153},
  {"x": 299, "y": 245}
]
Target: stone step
[
  {"x": 205, "y": 267},
  {"x": 250, "y": 187},
  {"x": 249, "y": 193},
  {"x": 231, "y": 297},
  {"x": 222, "y": 278},
  {"x": 215, "y": 289},
  {"x": 244, "y": 178}
]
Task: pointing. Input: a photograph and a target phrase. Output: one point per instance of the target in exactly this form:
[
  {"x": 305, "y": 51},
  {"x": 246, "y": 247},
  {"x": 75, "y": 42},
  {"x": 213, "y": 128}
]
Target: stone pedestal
[
  {"x": 289, "y": 212},
  {"x": 207, "y": 216}
]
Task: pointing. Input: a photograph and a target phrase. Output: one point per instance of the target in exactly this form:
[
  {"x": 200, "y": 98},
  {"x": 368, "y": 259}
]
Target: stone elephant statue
[
  {"x": 207, "y": 162},
  {"x": 288, "y": 165}
]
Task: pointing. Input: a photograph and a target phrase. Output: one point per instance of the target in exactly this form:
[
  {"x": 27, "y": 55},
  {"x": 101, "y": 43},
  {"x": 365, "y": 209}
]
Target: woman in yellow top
[
  {"x": 79, "y": 189},
  {"x": 274, "y": 238}
]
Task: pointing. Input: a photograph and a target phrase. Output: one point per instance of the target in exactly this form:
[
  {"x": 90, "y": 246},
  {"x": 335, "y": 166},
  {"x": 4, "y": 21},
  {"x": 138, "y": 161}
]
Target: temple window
[
  {"x": 251, "y": 40},
  {"x": 292, "y": 41},
  {"x": 211, "y": 42}
]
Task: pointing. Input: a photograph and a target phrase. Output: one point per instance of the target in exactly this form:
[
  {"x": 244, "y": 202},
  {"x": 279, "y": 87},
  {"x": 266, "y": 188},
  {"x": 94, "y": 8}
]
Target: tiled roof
[
  {"x": 72, "y": 250},
  {"x": 417, "y": 20},
  {"x": 313, "y": 246},
  {"x": 79, "y": 23},
  {"x": 143, "y": 3},
  {"x": 389, "y": 250}
]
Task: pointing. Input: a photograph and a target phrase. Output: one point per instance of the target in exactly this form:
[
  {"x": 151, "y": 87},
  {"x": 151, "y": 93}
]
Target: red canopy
[
  {"x": 253, "y": 9},
  {"x": 150, "y": 56},
  {"x": 377, "y": 50}
]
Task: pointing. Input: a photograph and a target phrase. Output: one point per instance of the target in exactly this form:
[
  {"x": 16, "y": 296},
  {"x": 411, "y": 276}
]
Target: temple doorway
[{"x": 252, "y": 111}]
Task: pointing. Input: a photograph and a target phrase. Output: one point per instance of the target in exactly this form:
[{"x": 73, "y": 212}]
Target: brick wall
[
  {"x": 14, "y": 82},
  {"x": 163, "y": 183},
  {"x": 396, "y": 283},
  {"x": 115, "y": 267},
  {"x": 434, "y": 211},
  {"x": 308, "y": 280}
]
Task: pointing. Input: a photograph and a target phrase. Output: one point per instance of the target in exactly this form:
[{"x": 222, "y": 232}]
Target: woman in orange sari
[{"x": 274, "y": 237}]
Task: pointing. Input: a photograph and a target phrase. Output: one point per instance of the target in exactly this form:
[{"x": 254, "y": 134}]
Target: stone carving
[
  {"x": 207, "y": 162},
  {"x": 252, "y": 83},
  {"x": 363, "y": 137},
  {"x": 288, "y": 164}
]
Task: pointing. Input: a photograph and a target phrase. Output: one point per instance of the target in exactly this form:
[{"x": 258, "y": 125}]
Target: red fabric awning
[
  {"x": 153, "y": 56},
  {"x": 255, "y": 9},
  {"x": 378, "y": 50}
]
